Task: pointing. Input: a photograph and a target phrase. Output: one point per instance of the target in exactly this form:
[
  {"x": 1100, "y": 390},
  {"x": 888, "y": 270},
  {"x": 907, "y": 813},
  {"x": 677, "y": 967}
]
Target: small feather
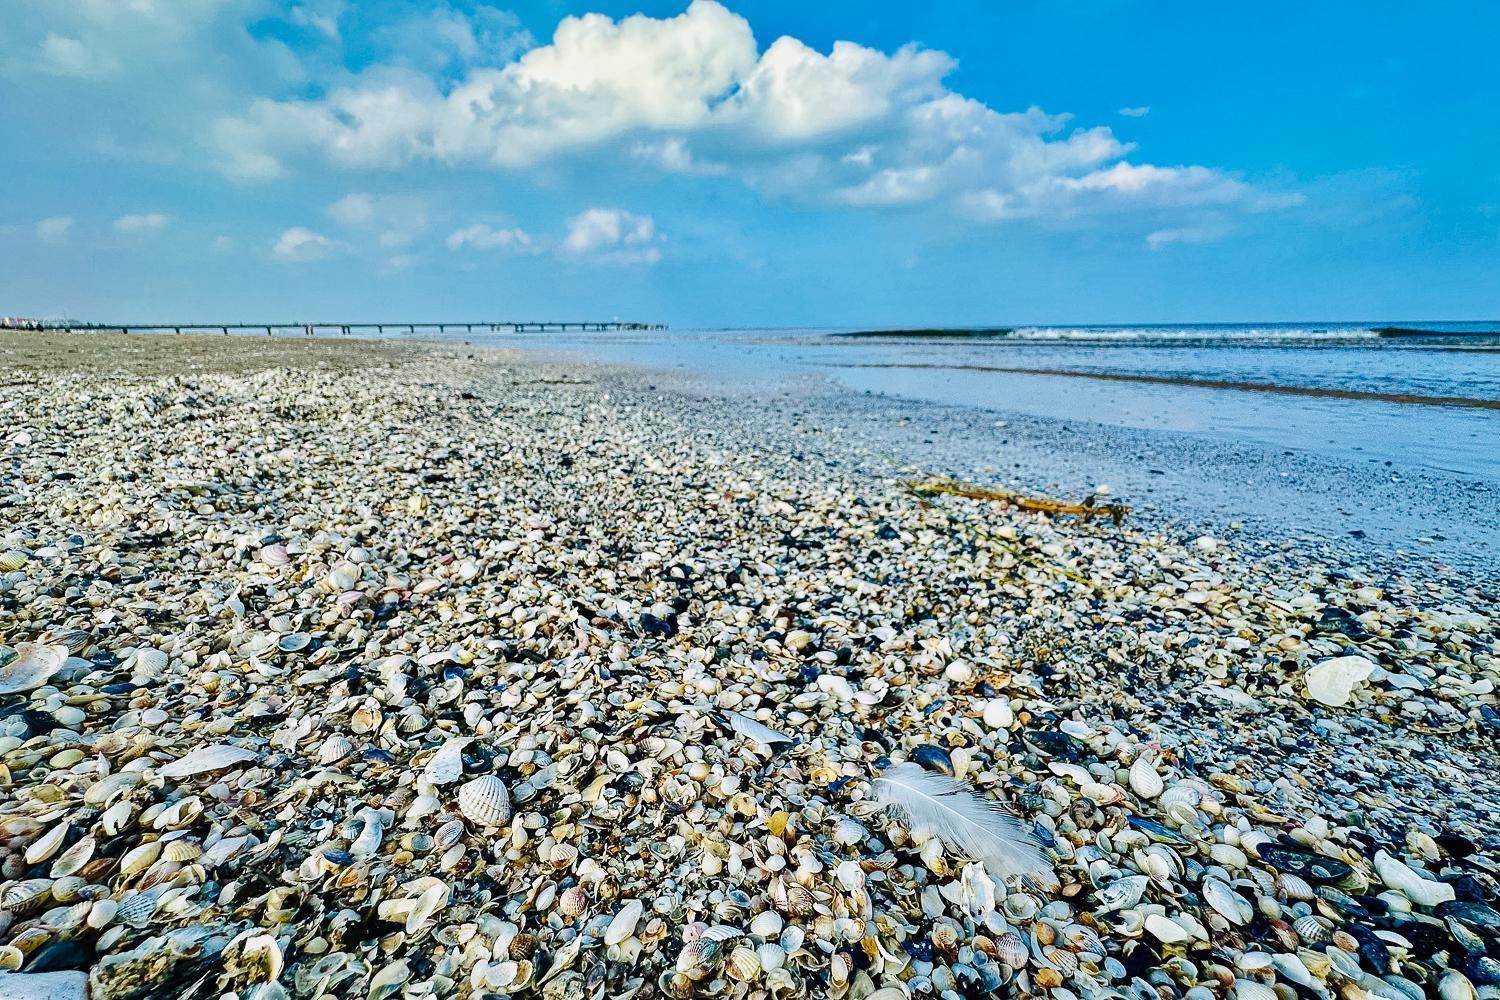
[
  {"x": 744, "y": 725},
  {"x": 965, "y": 820}
]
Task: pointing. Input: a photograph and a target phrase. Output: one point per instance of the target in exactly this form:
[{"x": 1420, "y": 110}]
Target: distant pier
[{"x": 342, "y": 329}]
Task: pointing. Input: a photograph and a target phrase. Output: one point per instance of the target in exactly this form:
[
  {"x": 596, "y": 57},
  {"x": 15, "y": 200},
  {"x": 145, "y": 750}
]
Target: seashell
[
  {"x": 117, "y": 817},
  {"x": 1165, "y": 930},
  {"x": 26, "y": 896},
  {"x": 102, "y": 913},
  {"x": 1250, "y": 989},
  {"x": 743, "y": 964},
  {"x": 180, "y": 814},
  {"x": 140, "y": 857},
  {"x": 68, "y": 888},
  {"x": 1312, "y": 929},
  {"x": 447, "y": 764},
  {"x": 1421, "y": 891},
  {"x": 214, "y": 757},
  {"x": 274, "y": 555},
  {"x": 447, "y": 835},
  {"x": 31, "y": 667},
  {"x": 74, "y": 858},
  {"x": 1063, "y": 961},
  {"x": 1226, "y": 902},
  {"x": 622, "y": 925},
  {"x": 109, "y": 786},
  {"x": 573, "y": 902},
  {"x": 334, "y": 749},
  {"x": 432, "y": 899},
  {"x": 1122, "y": 893},
  {"x": 1188, "y": 795},
  {"x": 1454, "y": 985},
  {"x": 1332, "y": 682},
  {"x": 697, "y": 960},
  {"x": 1020, "y": 907},
  {"x": 1144, "y": 779},
  {"x": 47, "y": 844},
  {"x": 136, "y": 909},
  {"x": 372, "y": 830},
  {"x": 1011, "y": 950},
  {"x": 772, "y": 956},
  {"x": 1101, "y": 794},
  {"x": 849, "y": 832},
  {"x": 1292, "y": 886},
  {"x": 485, "y": 801}
]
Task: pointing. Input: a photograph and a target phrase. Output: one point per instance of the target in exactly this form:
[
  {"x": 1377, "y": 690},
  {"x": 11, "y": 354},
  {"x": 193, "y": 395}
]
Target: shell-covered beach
[{"x": 357, "y": 669}]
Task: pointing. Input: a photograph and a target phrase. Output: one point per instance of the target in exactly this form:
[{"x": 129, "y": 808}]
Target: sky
[{"x": 749, "y": 163}]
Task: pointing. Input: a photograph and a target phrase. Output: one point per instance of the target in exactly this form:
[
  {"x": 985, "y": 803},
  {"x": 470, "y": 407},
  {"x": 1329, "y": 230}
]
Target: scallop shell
[
  {"x": 214, "y": 757},
  {"x": 137, "y": 908},
  {"x": 335, "y": 749},
  {"x": 33, "y": 665},
  {"x": 1144, "y": 779},
  {"x": 485, "y": 801},
  {"x": 447, "y": 764}
]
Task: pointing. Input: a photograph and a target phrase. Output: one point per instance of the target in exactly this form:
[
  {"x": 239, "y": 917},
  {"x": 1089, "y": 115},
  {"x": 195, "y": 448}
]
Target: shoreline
[
  {"x": 1206, "y": 383},
  {"x": 543, "y": 670}
]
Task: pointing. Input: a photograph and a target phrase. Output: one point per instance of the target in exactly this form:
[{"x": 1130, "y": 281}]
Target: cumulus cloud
[
  {"x": 143, "y": 223},
  {"x": 613, "y": 234},
  {"x": 399, "y": 218},
  {"x": 55, "y": 229},
  {"x": 483, "y": 237},
  {"x": 300, "y": 244}
]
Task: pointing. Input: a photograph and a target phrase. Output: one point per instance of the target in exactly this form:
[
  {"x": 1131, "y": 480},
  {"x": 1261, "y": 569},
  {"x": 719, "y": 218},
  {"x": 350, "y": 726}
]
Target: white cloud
[
  {"x": 143, "y": 223},
  {"x": 60, "y": 55},
  {"x": 694, "y": 94},
  {"x": 1205, "y": 232},
  {"x": 1136, "y": 112},
  {"x": 614, "y": 235},
  {"x": 401, "y": 218},
  {"x": 302, "y": 244},
  {"x": 55, "y": 229},
  {"x": 483, "y": 237}
]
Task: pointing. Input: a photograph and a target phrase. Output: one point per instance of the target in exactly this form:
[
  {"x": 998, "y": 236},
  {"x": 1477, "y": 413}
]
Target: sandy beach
[{"x": 352, "y": 668}]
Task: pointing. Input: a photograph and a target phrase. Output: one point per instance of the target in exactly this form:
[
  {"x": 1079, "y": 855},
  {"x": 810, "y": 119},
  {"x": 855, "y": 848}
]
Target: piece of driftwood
[{"x": 1043, "y": 505}]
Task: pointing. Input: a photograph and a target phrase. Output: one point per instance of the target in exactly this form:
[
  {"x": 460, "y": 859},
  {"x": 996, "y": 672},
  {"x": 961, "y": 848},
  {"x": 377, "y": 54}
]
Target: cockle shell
[
  {"x": 743, "y": 964},
  {"x": 1011, "y": 950},
  {"x": 447, "y": 835},
  {"x": 33, "y": 665},
  {"x": 1144, "y": 779},
  {"x": 335, "y": 749},
  {"x": 485, "y": 800},
  {"x": 26, "y": 896},
  {"x": 215, "y": 757}
]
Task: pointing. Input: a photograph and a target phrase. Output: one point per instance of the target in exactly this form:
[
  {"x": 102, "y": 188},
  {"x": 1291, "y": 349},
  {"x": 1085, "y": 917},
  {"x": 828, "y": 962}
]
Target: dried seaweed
[{"x": 1043, "y": 505}]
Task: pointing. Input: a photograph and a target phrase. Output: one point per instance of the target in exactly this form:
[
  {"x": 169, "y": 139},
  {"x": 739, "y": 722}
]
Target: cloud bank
[{"x": 854, "y": 127}]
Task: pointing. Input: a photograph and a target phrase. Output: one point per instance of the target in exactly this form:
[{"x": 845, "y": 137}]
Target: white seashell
[
  {"x": 623, "y": 924},
  {"x": 448, "y": 834},
  {"x": 31, "y": 667},
  {"x": 767, "y": 924},
  {"x": 335, "y": 749},
  {"x": 433, "y": 898},
  {"x": 136, "y": 909},
  {"x": 743, "y": 964},
  {"x": 772, "y": 956},
  {"x": 73, "y": 858},
  {"x": 215, "y": 757},
  {"x": 1164, "y": 930},
  {"x": 1226, "y": 902},
  {"x": 1144, "y": 779},
  {"x": 1292, "y": 968},
  {"x": 1250, "y": 989},
  {"x": 140, "y": 857},
  {"x": 1423, "y": 892},
  {"x": 1293, "y": 886},
  {"x": 116, "y": 817},
  {"x": 1454, "y": 985},
  {"x": 182, "y": 813},
  {"x": 447, "y": 764},
  {"x": 367, "y": 843},
  {"x": 1188, "y": 795},
  {"x": 850, "y": 875},
  {"x": 485, "y": 801},
  {"x": 1333, "y": 681},
  {"x": 109, "y": 786},
  {"x": 102, "y": 913},
  {"x": 998, "y": 713},
  {"x": 47, "y": 844}
]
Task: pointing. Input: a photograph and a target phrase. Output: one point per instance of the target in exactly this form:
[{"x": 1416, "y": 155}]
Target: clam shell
[
  {"x": 26, "y": 896},
  {"x": 448, "y": 834},
  {"x": 1332, "y": 682},
  {"x": 47, "y": 844},
  {"x": 485, "y": 801},
  {"x": 1144, "y": 779},
  {"x": 33, "y": 665},
  {"x": 623, "y": 924},
  {"x": 1225, "y": 901},
  {"x": 74, "y": 858},
  {"x": 215, "y": 757},
  {"x": 447, "y": 764},
  {"x": 743, "y": 964}
]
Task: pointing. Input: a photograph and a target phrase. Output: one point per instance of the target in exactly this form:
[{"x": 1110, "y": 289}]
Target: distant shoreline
[
  {"x": 934, "y": 332},
  {"x": 1209, "y": 383}
]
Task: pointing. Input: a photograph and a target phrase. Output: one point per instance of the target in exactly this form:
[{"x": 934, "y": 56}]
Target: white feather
[
  {"x": 744, "y": 725},
  {"x": 965, "y": 820}
]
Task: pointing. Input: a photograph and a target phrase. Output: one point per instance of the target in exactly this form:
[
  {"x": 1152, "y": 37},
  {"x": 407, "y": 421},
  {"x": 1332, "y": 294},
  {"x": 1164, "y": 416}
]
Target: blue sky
[{"x": 755, "y": 163}]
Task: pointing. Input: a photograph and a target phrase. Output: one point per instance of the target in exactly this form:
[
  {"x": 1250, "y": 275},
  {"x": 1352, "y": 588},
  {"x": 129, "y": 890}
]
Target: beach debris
[{"x": 1041, "y": 505}]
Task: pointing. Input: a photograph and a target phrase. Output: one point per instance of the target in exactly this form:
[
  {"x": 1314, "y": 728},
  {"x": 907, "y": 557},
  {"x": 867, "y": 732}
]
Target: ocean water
[{"x": 1428, "y": 403}]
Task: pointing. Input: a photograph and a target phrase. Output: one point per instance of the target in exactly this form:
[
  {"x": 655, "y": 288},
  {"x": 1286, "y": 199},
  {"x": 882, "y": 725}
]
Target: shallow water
[{"x": 1047, "y": 374}]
